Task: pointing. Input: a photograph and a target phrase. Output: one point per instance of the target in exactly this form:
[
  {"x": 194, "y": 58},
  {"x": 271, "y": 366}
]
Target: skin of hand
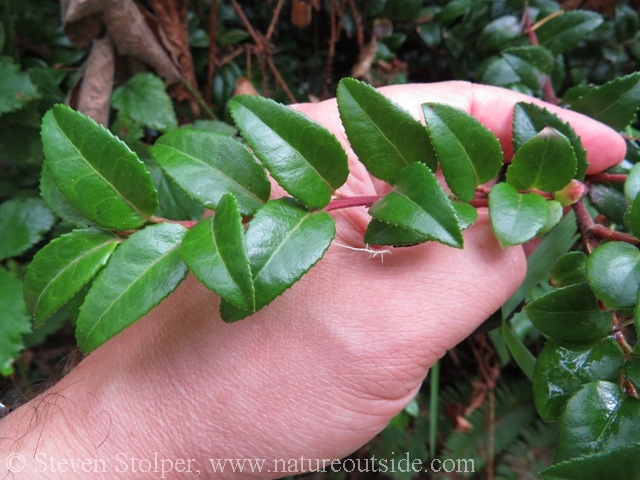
[{"x": 317, "y": 373}]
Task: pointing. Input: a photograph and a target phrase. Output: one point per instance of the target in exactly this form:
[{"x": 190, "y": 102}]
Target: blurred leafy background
[{"x": 476, "y": 404}]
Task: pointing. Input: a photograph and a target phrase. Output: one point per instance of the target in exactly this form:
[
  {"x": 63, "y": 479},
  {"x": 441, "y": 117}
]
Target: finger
[{"x": 493, "y": 106}]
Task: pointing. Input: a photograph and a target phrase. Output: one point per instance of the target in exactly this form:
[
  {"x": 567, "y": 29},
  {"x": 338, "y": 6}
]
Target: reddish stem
[
  {"x": 549, "y": 94},
  {"x": 607, "y": 177},
  {"x": 348, "y": 202}
]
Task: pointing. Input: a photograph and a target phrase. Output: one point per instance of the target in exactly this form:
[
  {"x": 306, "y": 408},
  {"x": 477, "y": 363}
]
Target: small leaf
[
  {"x": 144, "y": 99},
  {"x": 613, "y": 273},
  {"x": 468, "y": 152},
  {"x": 466, "y": 213},
  {"x": 215, "y": 251},
  {"x": 615, "y": 103},
  {"x": 562, "y": 369},
  {"x": 516, "y": 218},
  {"x": 499, "y": 32},
  {"x": 305, "y": 159},
  {"x": 418, "y": 204},
  {"x": 206, "y": 165},
  {"x": 621, "y": 462},
  {"x": 384, "y": 137},
  {"x": 60, "y": 269},
  {"x": 530, "y": 119},
  {"x": 546, "y": 162},
  {"x": 608, "y": 201},
  {"x": 533, "y": 65},
  {"x": 283, "y": 243},
  {"x": 632, "y": 183},
  {"x": 14, "y": 320},
  {"x": 23, "y": 222},
  {"x": 142, "y": 271},
  {"x": 632, "y": 217},
  {"x": 570, "y": 314},
  {"x": 16, "y": 88},
  {"x": 565, "y": 31},
  {"x": 97, "y": 173},
  {"x": 569, "y": 270},
  {"x": 380, "y": 233},
  {"x": 597, "y": 418},
  {"x": 539, "y": 263}
]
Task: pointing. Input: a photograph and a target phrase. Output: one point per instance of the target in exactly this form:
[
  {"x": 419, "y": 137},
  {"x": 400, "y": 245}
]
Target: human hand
[{"x": 318, "y": 372}]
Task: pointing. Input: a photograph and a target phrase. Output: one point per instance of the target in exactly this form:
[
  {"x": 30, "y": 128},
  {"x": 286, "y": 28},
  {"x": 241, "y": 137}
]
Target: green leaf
[
  {"x": 144, "y": 99},
  {"x": 380, "y": 233},
  {"x": 16, "y": 89},
  {"x": 516, "y": 218},
  {"x": 613, "y": 272},
  {"x": 403, "y": 10},
  {"x": 215, "y": 251},
  {"x": 97, "y": 173},
  {"x": 632, "y": 218},
  {"x": 466, "y": 213},
  {"x": 207, "y": 165},
  {"x": 523, "y": 357},
  {"x": 283, "y": 242},
  {"x": 570, "y": 314},
  {"x": 23, "y": 222},
  {"x": 60, "y": 269},
  {"x": 540, "y": 262},
  {"x": 569, "y": 270},
  {"x": 14, "y": 320},
  {"x": 562, "y": 369},
  {"x": 632, "y": 183},
  {"x": 469, "y": 154},
  {"x": 632, "y": 370},
  {"x": 142, "y": 271},
  {"x": 608, "y": 201},
  {"x": 533, "y": 65},
  {"x": 305, "y": 159},
  {"x": 384, "y": 137},
  {"x": 566, "y": 31},
  {"x": 621, "y": 462},
  {"x": 545, "y": 162},
  {"x": 56, "y": 200},
  {"x": 499, "y": 32},
  {"x": 614, "y": 103},
  {"x": 597, "y": 418},
  {"x": 418, "y": 204},
  {"x": 530, "y": 119}
]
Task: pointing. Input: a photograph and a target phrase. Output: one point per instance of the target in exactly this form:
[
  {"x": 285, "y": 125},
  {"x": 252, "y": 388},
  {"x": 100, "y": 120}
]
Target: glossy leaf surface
[
  {"x": 565, "y": 31},
  {"x": 515, "y": 217},
  {"x": 418, "y": 204},
  {"x": 384, "y": 137},
  {"x": 61, "y": 268},
  {"x": 621, "y": 462},
  {"x": 561, "y": 370},
  {"x": 142, "y": 271},
  {"x": 632, "y": 184},
  {"x": 532, "y": 64},
  {"x": 305, "y": 159},
  {"x": 569, "y": 269},
  {"x": 613, "y": 272},
  {"x": 23, "y": 222},
  {"x": 614, "y": 103},
  {"x": 530, "y": 119},
  {"x": 570, "y": 314},
  {"x": 215, "y": 252},
  {"x": 597, "y": 418},
  {"x": 97, "y": 173},
  {"x": 56, "y": 200},
  {"x": 283, "y": 242},
  {"x": 545, "y": 162},
  {"x": 469, "y": 154},
  {"x": 206, "y": 165},
  {"x": 16, "y": 88}
]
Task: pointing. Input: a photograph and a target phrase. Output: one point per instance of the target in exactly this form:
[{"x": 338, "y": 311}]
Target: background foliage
[{"x": 477, "y": 403}]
